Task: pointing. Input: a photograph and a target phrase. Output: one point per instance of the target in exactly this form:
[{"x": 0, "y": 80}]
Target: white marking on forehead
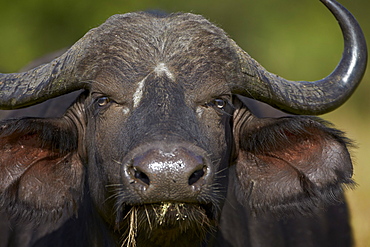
[
  {"x": 163, "y": 69},
  {"x": 139, "y": 92},
  {"x": 159, "y": 71},
  {"x": 199, "y": 111},
  {"x": 125, "y": 110}
]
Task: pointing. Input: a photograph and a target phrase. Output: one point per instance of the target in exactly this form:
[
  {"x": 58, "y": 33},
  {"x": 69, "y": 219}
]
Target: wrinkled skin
[{"x": 75, "y": 179}]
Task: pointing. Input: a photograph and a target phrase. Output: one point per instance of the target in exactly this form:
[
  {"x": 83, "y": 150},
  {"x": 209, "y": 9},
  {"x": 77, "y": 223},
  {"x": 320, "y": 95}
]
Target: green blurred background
[{"x": 295, "y": 39}]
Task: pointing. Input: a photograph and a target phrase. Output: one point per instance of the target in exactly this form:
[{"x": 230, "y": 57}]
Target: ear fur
[
  {"x": 41, "y": 175},
  {"x": 289, "y": 164}
]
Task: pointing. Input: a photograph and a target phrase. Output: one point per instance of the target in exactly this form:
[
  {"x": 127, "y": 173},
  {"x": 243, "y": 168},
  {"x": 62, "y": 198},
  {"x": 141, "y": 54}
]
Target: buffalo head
[{"x": 160, "y": 131}]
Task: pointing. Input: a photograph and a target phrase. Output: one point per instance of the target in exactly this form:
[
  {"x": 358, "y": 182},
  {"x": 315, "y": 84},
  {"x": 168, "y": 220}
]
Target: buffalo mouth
[{"x": 166, "y": 224}]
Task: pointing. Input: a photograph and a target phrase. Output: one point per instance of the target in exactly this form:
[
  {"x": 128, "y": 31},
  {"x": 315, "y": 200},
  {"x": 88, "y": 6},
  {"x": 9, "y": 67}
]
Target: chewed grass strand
[
  {"x": 163, "y": 223},
  {"x": 131, "y": 232}
]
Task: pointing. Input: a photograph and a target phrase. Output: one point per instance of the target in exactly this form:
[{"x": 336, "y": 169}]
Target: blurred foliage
[{"x": 296, "y": 39}]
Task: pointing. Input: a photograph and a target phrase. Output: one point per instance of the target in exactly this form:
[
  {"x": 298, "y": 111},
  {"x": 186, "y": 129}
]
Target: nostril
[
  {"x": 141, "y": 176},
  {"x": 195, "y": 176}
]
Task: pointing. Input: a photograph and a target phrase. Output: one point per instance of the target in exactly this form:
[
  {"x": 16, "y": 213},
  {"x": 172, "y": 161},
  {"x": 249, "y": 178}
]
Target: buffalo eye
[
  {"x": 216, "y": 103},
  {"x": 219, "y": 103},
  {"x": 103, "y": 101}
]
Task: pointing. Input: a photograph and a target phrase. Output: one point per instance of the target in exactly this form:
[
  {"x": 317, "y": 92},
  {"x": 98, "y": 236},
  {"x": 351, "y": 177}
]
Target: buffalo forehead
[{"x": 184, "y": 47}]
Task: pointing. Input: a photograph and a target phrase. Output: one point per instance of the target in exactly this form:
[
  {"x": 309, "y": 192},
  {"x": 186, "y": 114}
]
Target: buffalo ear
[
  {"x": 41, "y": 175},
  {"x": 293, "y": 162}
]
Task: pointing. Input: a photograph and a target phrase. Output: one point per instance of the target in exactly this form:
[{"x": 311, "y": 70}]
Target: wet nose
[{"x": 178, "y": 174}]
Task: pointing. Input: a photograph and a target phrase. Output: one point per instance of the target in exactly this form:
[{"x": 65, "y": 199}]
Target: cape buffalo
[{"x": 159, "y": 148}]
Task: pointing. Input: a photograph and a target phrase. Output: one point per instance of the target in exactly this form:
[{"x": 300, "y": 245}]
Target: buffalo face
[
  {"x": 155, "y": 143},
  {"x": 163, "y": 151}
]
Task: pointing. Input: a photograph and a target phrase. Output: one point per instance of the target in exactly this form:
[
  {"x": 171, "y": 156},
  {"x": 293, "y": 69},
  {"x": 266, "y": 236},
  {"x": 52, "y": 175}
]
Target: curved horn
[
  {"x": 317, "y": 97},
  {"x": 58, "y": 77}
]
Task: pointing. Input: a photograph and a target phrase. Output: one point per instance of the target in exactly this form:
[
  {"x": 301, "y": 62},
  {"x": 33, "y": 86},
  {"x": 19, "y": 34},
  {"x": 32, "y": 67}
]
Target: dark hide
[
  {"x": 265, "y": 181},
  {"x": 328, "y": 225}
]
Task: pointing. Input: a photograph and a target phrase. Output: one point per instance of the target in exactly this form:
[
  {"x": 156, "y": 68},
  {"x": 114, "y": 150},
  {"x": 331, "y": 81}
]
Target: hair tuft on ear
[
  {"x": 291, "y": 164},
  {"x": 41, "y": 174}
]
